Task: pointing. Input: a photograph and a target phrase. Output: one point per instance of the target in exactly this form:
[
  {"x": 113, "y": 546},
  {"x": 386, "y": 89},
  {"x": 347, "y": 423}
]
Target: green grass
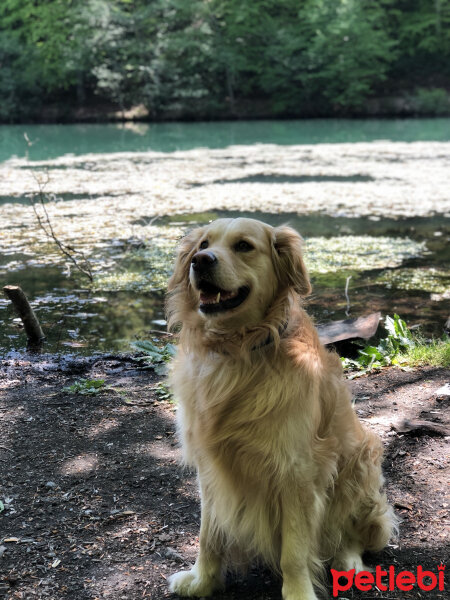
[{"x": 434, "y": 353}]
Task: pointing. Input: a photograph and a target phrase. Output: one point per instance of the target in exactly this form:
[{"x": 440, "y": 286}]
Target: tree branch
[{"x": 46, "y": 225}]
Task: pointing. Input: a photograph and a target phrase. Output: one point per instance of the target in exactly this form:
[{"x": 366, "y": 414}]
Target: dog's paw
[
  {"x": 299, "y": 594},
  {"x": 297, "y": 590},
  {"x": 193, "y": 584},
  {"x": 348, "y": 561}
]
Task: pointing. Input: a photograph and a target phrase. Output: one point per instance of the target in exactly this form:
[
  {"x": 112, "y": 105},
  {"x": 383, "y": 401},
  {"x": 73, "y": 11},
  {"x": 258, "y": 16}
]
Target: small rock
[
  {"x": 443, "y": 391},
  {"x": 50, "y": 484},
  {"x": 174, "y": 555}
]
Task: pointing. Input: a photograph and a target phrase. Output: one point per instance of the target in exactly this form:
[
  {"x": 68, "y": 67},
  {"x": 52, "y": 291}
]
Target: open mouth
[{"x": 213, "y": 299}]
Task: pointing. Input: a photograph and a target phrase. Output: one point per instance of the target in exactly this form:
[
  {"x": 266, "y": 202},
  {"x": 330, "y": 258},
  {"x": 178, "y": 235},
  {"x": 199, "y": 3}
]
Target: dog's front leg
[
  {"x": 206, "y": 575},
  {"x": 299, "y": 519}
]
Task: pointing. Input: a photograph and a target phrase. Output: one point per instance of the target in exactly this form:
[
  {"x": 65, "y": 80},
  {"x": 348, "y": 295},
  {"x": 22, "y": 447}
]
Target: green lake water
[
  {"x": 50, "y": 141},
  {"x": 79, "y": 319}
]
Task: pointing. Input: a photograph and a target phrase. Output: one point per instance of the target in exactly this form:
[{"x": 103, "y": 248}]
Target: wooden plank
[{"x": 362, "y": 327}]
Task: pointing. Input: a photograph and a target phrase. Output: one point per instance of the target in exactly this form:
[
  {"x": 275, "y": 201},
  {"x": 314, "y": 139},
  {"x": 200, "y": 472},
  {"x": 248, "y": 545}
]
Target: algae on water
[
  {"x": 149, "y": 269},
  {"x": 146, "y": 269},
  {"x": 426, "y": 279},
  {"x": 359, "y": 253}
]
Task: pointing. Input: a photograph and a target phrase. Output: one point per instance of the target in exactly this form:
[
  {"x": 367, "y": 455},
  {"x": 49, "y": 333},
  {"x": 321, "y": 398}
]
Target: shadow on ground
[{"x": 96, "y": 505}]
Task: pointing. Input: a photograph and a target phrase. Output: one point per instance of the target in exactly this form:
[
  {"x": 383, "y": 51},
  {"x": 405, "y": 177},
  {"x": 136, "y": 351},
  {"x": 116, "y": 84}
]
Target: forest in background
[{"x": 197, "y": 59}]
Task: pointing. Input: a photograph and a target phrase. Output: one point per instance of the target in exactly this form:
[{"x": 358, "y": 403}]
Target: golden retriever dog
[{"x": 287, "y": 473}]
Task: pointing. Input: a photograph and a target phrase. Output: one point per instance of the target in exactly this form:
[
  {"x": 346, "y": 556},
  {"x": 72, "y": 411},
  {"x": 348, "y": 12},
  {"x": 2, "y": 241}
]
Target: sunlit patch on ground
[
  {"x": 9, "y": 383},
  {"x": 80, "y": 465},
  {"x": 102, "y": 427},
  {"x": 122, "y": 579}
]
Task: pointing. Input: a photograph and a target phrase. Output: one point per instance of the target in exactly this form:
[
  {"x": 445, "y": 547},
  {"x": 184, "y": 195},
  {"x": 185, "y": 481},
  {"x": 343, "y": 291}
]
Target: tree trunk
[
  {"x": 230, "y": 91},
  {"x": 35, "y": 335}
]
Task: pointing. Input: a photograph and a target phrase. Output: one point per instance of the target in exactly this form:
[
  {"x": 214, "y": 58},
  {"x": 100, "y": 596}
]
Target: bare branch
[{"x": 45, "y": 224}]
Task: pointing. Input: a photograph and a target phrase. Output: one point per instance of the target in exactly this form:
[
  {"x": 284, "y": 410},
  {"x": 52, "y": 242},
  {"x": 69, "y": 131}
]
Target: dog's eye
[
  {"x": 243, "y": 246},
  {"x": 204, "y": 244}
]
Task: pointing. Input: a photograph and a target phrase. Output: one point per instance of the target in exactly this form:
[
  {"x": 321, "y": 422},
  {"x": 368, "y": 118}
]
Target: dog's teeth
[{"x": 218, "y": 297}]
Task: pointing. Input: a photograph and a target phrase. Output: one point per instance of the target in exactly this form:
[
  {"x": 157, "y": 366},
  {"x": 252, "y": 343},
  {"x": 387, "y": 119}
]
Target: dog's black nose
[{"x": 203, "y": 260}]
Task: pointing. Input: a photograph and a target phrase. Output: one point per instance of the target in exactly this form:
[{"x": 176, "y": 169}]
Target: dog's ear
[
  {"x": 288, "y": 260},
  {"x": 186, "y": 250}
]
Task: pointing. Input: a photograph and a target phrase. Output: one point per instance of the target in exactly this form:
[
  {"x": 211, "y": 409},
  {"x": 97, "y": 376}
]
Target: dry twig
[{"x": 44, "y": 222}]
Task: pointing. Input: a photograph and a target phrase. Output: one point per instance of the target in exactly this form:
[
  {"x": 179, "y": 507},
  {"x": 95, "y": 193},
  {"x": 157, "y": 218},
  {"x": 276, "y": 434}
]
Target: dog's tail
[
  {"x": 359, "y": 508},
  {"x": 377, "y": 525}
]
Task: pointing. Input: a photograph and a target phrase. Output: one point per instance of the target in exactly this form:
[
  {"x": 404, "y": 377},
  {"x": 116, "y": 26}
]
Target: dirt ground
[{"x": 97, "y": 507}]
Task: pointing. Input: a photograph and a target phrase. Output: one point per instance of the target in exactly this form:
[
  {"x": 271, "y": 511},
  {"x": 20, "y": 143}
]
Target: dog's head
[{"x": 230, "y": 272}]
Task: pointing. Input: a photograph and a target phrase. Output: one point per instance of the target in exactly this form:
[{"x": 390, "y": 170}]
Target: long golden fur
[{"x": 287, "y": 473}]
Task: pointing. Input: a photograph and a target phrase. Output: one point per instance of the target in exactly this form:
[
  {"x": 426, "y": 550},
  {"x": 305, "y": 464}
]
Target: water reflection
[
  {"x": 78, "y": 320},
  {"x": 51, "y": 141}
]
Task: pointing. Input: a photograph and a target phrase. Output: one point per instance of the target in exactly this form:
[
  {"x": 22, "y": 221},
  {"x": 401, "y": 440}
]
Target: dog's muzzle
[{"x": 213, "y": 298}]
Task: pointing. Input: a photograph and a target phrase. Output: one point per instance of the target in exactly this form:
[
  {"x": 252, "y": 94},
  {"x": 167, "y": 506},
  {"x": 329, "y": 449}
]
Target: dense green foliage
[{"x": 204, "y": 57}]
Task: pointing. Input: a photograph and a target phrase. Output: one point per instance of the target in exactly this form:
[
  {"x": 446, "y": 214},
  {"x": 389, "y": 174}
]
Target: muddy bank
[
  {"x": 96, "y": 505},
  {"x": 383, "y": 106}
]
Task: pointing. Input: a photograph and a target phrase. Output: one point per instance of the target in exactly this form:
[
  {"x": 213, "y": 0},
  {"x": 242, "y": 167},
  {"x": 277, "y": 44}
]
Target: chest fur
[{"x": 251, "y": 421}]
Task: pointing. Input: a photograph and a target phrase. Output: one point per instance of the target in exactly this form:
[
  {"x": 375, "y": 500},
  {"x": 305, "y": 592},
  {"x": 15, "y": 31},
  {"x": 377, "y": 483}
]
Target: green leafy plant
[
  {"x": 162, "y": 392},
  {"x": 153, "y": 356},
  {"x": 86, "y": 387},
  {"x": 399, "y": 338},
  {"x": 400, "y": 348},
  {"x": 387, "y": 351}
]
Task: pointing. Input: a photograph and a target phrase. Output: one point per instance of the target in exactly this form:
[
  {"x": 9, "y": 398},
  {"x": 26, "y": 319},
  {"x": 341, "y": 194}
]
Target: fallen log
[
  {"x": 418, "y": 427},
  {"x": 33, "y": 330},
  {"x": 337, "y": 331}
]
